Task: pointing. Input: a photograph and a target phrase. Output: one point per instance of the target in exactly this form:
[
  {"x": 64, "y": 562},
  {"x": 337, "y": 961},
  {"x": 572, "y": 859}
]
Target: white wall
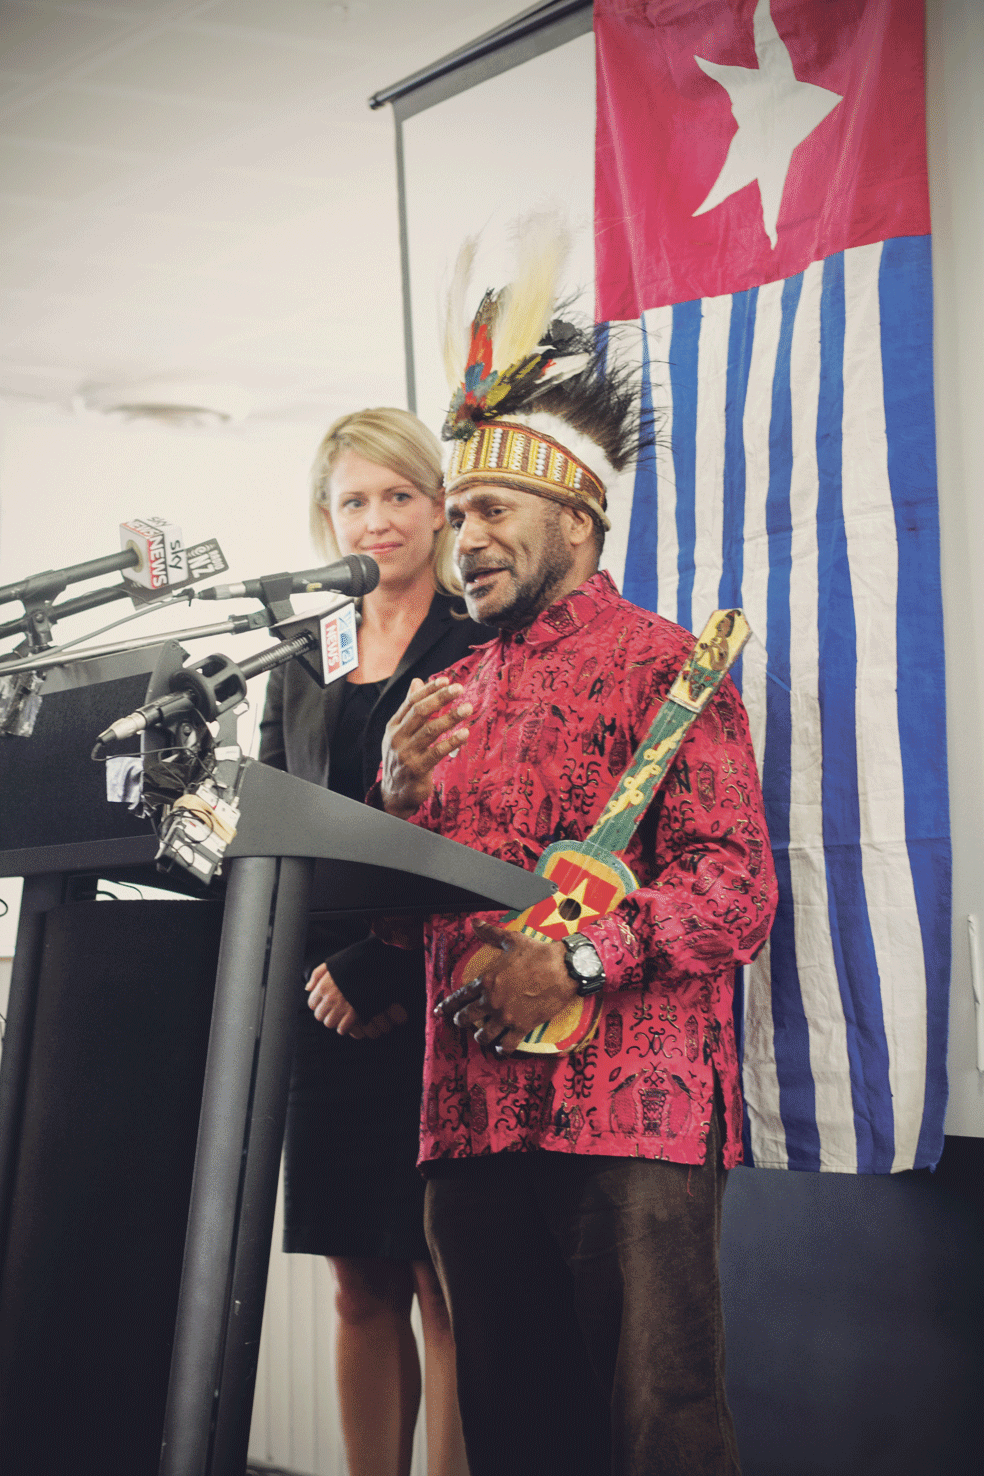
[
  {"x": 518, "y": 167},
  {"x": 955, "y": 116}
]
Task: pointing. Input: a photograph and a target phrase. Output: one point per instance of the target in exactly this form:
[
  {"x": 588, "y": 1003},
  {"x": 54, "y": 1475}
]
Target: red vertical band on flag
[{"x": 738, "y": 140}]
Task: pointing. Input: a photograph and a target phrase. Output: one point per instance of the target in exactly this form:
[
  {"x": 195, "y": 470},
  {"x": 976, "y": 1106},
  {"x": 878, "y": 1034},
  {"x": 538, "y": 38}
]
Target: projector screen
[{"x": 474, "y": 164}]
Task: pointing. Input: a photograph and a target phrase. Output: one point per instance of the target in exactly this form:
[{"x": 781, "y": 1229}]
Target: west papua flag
[
  {"x": 736, "y": 143},
  {"x": 762, "y": 213}
]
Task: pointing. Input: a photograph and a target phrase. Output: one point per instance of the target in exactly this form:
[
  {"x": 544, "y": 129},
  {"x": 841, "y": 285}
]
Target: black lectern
[{"x": 79, "y": 966}]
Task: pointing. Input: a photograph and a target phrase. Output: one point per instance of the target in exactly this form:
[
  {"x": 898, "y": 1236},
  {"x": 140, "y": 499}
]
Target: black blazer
[{"x": 296, "y": 730}]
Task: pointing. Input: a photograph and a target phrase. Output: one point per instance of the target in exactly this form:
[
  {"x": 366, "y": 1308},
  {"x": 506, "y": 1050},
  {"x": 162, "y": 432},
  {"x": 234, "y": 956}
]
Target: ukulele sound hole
[{"x": 569, "y": 909}]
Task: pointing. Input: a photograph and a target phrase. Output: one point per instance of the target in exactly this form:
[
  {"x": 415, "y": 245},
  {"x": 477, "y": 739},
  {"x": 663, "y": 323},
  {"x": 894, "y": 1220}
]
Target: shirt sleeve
[
  {"x": 707, "y": 892},
  {"x": 372, "y": 975}
]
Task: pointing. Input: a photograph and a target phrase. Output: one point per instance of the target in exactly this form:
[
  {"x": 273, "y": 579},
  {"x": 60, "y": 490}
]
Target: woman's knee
[{"x": 366, "y": 1289}]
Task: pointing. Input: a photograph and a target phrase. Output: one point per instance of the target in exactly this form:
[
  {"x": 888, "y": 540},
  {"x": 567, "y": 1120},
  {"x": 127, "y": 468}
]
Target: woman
[{"x": 352, "y": 1191}]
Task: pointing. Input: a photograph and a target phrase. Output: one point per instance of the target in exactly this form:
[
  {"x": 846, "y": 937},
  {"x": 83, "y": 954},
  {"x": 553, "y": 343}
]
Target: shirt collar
[{"x": 567, "y": 615}]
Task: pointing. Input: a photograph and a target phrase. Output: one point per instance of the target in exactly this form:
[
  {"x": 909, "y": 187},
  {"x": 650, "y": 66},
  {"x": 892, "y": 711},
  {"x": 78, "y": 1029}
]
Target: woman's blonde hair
[{"x": 394, "y": 439}]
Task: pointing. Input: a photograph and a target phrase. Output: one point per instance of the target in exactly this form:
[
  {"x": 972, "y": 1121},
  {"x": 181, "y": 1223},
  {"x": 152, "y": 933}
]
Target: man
[{"x": 573, "y": 1202}]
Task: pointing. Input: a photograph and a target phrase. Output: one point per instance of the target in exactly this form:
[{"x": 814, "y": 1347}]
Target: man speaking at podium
[{"x": 574, "y": 1201}]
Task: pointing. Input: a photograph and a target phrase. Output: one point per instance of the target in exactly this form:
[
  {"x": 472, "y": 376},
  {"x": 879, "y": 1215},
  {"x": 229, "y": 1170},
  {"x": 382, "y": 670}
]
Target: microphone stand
[
  {"x": 200, "y": 822},
  {"x": 25, "y": 625},
  {"x": 37, "y": 592},
  {"x": 235, "y": 625},
  {"x": 21, "y": 682}
]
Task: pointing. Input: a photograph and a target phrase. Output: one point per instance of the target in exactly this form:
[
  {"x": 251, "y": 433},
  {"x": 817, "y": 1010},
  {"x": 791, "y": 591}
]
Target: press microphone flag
[
  {"x": 159, "y": 547},
  {"x": 354, "y": 575}
]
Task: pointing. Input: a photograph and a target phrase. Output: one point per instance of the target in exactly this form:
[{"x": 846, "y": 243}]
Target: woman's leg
[
  {"x": 445, "y": 1442},
  {"x": 377, "y": 1367}
]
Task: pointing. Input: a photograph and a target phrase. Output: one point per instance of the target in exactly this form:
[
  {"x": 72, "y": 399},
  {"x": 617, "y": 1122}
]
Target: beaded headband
[{"x": 519, "y": 455}]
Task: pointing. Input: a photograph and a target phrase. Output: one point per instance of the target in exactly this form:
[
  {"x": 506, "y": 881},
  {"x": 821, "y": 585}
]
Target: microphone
[
  {"x": 50, "y": 583},
  {"x": 208, "y": 687},
  {"x": 354, "y": 575}
]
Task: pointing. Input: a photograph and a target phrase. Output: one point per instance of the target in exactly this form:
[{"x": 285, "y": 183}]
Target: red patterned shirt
[{"x": 559, "y": 710}]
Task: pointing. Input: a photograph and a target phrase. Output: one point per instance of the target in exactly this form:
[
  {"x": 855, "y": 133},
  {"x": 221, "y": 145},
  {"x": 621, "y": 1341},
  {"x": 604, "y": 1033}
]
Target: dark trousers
[{"x": 586, "y": 1310}]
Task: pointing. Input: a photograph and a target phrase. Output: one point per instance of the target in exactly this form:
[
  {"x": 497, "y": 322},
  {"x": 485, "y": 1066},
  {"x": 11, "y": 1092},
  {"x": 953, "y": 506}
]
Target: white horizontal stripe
[
  {"x": 712, "y": 388},
  {"x": 659, "y": 326},
  {"x": 765, "y": 1126},
  {"x": 624, "y": 348},
  {"x": 819, "y": 986},
  {"x": 756, "y": 433},
  {"x": 766, "y": 1131}
]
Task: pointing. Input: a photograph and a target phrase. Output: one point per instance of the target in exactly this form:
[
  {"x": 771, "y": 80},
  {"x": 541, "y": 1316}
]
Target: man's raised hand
[{"x": 419, "y": 734}]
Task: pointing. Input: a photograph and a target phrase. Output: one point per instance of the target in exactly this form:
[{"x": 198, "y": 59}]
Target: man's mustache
[{"x": 468, "y": 567}]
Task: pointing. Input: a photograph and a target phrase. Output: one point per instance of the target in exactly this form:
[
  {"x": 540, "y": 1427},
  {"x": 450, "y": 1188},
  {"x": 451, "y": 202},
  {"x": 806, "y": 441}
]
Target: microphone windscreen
[
  {"x": 353, "y": 575},
  {"x": 368, "y": 573}
]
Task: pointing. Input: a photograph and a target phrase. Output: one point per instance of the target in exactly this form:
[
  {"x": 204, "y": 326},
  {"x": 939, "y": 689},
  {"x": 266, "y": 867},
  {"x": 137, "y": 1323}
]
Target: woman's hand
[{"x": 334, "y": 1011}]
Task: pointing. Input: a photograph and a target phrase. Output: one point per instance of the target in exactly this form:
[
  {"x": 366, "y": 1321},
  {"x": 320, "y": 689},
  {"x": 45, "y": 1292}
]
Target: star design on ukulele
[{"x": 572, "y": 922}]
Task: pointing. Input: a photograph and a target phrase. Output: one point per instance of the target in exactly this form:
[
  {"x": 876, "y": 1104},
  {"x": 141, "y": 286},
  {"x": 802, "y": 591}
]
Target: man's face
[{"x": 512, "y": 553}]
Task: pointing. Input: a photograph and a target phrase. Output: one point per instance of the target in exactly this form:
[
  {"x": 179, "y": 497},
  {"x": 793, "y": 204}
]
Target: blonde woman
[{"x": 352, "y": 1189}]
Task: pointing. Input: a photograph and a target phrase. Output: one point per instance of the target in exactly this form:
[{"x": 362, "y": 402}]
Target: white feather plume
[
  {"x": 543, "y": 242},
  {"x": 456, "y": 327}
]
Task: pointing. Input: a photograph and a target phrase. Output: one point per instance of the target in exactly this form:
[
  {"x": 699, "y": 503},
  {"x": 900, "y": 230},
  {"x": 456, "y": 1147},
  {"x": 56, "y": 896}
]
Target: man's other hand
[{"x": 526, "y": 984}]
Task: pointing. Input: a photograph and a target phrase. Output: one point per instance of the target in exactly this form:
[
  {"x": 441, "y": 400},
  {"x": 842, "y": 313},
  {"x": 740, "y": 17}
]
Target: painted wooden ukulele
[{"x": 590, "y": 880}]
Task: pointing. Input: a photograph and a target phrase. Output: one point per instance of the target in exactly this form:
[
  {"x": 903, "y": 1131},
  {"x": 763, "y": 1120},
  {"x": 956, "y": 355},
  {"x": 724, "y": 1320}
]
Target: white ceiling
[{"x": 197, "y": 189}]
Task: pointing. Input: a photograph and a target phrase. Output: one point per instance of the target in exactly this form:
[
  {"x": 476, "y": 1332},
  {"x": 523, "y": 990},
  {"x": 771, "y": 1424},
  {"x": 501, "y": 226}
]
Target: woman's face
[{"x": 376, "y": 511}]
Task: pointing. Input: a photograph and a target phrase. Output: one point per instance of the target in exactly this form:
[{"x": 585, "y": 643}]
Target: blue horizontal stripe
[
  {"x": 853, "y": 946},
  {"x": 684, "y": 358},
  {"x": 640, "y": 582},
  {"x": 906, "y": 307},
  {"x": 797, "y": 1097}
]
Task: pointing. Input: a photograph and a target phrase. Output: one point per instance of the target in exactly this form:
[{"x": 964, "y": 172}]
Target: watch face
[{"x": 585, "y": 959}]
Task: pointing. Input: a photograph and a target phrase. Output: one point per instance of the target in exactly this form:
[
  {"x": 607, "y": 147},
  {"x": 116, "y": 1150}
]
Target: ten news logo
[{"x": 339, "y": 651}]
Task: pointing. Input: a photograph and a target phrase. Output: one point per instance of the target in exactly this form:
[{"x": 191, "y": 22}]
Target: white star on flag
[{"x": 774, "y": 112}]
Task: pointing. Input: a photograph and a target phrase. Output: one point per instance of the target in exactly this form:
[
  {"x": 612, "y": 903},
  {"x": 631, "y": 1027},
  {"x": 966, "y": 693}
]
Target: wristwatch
[{"x": 583, "y": 964}]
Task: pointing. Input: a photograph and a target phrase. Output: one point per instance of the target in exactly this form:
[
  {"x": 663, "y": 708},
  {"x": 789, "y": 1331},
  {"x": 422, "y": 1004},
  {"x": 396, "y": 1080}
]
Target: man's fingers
[
  {"x": 429, "y": 697},
  {"x": 473, "y": 1014},
  {"x": 462, "y": 996},
  {"x": 489, "y": 933},
  {"x": 437, "y": 747}
]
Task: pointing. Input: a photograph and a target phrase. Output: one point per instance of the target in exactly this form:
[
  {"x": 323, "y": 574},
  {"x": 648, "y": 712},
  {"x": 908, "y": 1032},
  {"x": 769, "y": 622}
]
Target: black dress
[{"x": 351, "y": 1185}]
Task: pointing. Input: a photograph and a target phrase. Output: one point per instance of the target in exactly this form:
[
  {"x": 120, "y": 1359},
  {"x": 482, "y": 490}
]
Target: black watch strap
[{"x": 583, "y": 964}]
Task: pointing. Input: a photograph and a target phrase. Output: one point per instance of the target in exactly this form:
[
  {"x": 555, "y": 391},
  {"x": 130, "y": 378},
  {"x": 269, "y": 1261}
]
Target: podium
[{"x": 299, "y": 849}]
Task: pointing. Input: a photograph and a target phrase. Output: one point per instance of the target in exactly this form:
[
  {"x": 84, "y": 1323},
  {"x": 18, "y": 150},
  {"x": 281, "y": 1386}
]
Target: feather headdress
[
  {"x": 511, "y": 348},
  {"x": 532, "y": 403}
]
